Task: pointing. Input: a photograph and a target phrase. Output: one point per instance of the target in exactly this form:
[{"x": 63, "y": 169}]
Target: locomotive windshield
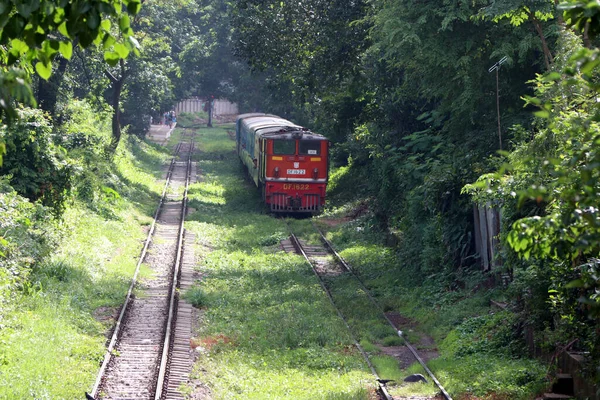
[
  {"x": 285, "y": 147},
  {"x": 310, "y": 147}
]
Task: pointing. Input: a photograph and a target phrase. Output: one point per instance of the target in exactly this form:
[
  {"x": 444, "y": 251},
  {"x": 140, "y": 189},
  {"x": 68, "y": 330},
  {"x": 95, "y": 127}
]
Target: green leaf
[
  {"x": 14, "y": 27},
  {"x": 134, "y": 6},
  {"x": 121, "y": 50},
  {"x": 84, "y": 7},
  {"x": 108, "y": 41},
  {"x": 44, "y": 70},
  {"x": 532, "y": 100},
  {"x": 577, "y": 283},
  {"x": 551, "y": 77},
  {"x": 588, "y": 67},
  {"x": 111, "y": 58},
  {"x": 62, "y": 28},
  {"x": 27, "y": 7},
  {"x": 93, "y": 19},
  {"x": 105, "y": 24},
  {"x": 542, "y": 114},
  {"x": 19, "y": 46},
  {"x": 66, "y": 49},
  {"x": 124, "y": 22},
  {"x": 86, "y": 38}
]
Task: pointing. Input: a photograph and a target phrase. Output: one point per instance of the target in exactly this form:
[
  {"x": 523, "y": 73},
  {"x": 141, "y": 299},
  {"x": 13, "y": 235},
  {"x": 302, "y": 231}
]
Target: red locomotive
[{"x": 287, "y": 162}]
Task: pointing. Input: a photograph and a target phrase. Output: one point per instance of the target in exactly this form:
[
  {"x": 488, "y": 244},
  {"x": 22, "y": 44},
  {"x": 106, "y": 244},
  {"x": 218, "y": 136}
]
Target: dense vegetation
[
  {"x": 404, "y": 91},
  {"x": 401, "y": 87}
]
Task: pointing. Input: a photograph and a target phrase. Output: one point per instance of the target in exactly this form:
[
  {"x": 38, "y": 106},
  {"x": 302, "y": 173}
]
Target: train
[{"x": 288, "y": 163}]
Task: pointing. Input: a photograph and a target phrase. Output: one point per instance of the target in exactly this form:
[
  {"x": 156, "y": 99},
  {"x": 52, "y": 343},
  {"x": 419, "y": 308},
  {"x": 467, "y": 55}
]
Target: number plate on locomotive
[
  {"x": 296, "y": 171},
  {"x": 295, "y": 186}
]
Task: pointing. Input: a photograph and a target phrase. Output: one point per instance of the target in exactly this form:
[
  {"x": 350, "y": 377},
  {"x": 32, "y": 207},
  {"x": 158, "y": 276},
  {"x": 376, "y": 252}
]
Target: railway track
[
  {"x": 148, "y": 356},
  {"x": 315, "y": 256}
]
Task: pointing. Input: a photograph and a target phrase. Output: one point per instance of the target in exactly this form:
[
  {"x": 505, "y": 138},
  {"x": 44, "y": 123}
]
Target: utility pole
[
  {"x": 496, "y": 67},
  {"x": 210, "y": 111}
]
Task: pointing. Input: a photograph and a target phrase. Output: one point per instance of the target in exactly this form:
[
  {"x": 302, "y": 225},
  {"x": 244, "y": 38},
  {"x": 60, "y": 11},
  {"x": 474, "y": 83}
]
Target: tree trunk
[
  {"x": 548, "y": 58},
  {"x": 586, "y": 35},
  {"x": 117, "y": 84},
  {"x": 210, "y": 107},
  {"x": 559, "y": 16},
  {"x": 47, "y": 90}
]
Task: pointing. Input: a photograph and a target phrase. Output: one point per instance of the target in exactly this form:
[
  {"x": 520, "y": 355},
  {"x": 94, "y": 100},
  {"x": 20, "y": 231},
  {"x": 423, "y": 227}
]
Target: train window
[
  {"x": 285, "y": 147},
  {"x": 310, "y": 147}
]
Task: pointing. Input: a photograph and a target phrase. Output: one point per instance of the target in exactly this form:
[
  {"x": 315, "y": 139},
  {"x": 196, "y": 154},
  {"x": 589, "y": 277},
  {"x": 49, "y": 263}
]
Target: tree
[
  {"x": 309, "y": 47},
  {"x": 519, "y": 11},
  {"x": 32, "y": 34},
  {"x": 550, "y": 191},
  {"x": 35, "y": 167},
  {"x": 208, "y": 63}
]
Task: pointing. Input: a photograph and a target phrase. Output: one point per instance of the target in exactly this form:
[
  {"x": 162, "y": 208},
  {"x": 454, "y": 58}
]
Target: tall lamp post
[{"x": 496, "y": 67}]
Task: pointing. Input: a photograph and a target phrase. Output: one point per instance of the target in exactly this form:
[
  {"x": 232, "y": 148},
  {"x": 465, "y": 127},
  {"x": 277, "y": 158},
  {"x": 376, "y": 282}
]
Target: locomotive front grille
[
  {"x": 279, "y": 202},
  {"x": 282, "y": 202},
  {"x": 313, "y": 202}
]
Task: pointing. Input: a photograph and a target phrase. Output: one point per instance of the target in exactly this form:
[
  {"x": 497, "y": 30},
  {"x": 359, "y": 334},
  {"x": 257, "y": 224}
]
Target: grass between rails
[
  {"x": 368, "y": 324},
  {"x": 53, "y": 340},
  {"x": 480, "y": 351},
  {"x": 268, "y": 331}
]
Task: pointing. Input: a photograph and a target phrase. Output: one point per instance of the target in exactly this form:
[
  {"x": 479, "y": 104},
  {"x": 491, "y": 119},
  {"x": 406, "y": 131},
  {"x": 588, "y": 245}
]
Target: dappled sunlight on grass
[
  {"x": 209, "y": 193},
  {"x": 250, "y": 376},
  {"x": 50, "y": 356},
  {"x": 273, "y": 309},
  {"x": 141, "y": 174},
  {"x": 266, "y": 320},
  {"x": 215, "y": 140},
  {"x": 479, "y": 374}
]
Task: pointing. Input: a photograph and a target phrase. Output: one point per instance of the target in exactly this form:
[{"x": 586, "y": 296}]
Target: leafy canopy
[{"x": 34, "y": 32}]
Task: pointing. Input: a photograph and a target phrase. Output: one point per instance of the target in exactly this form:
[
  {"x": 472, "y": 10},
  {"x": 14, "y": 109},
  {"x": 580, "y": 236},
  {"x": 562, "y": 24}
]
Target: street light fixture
[{"x": 496, "y": 67}]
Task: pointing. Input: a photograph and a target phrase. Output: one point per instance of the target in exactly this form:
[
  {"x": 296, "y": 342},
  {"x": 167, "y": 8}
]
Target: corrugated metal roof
[
  {"x": 267, "y": 121},
  {"x": 272, "y": 125}
]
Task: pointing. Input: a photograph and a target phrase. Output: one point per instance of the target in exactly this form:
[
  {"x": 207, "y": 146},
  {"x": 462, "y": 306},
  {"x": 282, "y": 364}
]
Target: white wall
[{"x": 195, "y": 104}]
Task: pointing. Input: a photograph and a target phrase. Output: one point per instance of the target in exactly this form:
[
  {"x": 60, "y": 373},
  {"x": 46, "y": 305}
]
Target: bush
[
  {"x": 497, "y": 334},
  {"x": 26, "y": 239},
  {"x": 36, "y": 168}
]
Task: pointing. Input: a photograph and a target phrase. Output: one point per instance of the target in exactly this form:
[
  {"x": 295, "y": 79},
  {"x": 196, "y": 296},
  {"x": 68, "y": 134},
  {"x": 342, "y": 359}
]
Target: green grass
[
  {"x": 192, "y": 120},
  {"x": 53, "y": 341},
  {"x": 268, "y": 330}
]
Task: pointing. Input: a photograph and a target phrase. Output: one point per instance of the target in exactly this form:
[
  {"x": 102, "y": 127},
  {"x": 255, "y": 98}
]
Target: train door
[
  {"x": 262, "y": 160},
  {"x": 238, "y": 127}
]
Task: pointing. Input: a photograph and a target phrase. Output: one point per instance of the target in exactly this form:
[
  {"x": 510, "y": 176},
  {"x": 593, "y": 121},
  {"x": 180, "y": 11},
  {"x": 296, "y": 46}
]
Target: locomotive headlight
[
  {"x": 276, "y": 172},
  {"x": 315, "y": 173}
]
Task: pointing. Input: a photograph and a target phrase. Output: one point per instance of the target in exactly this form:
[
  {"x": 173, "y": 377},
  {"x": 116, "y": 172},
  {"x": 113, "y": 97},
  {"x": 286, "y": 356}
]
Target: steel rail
[
  {"x": 329, "y": 245},
  {"x": 117, "y": 328},
  {"x": 298, "y": 246},
  {"x": 173, "y": 295}
]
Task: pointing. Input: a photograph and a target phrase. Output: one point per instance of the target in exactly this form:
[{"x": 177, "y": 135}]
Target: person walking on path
[{"x": 171, "y": 117}]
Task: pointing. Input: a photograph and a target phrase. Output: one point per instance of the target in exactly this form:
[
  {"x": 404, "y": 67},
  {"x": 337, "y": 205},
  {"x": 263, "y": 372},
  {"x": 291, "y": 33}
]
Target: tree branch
[{"x": 548, "y": 58}]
